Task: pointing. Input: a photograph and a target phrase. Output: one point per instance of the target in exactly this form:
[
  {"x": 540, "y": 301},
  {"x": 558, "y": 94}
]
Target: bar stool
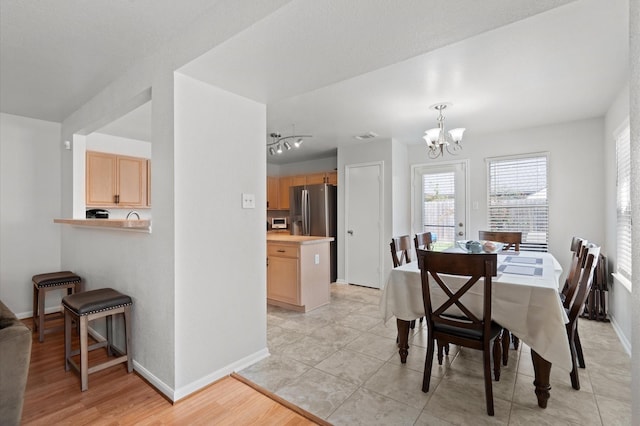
[
  {"x": 42, "y": 283},
  {"x": 87, "y": 306}
]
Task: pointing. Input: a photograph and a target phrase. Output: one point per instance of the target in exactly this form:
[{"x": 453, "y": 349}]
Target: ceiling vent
[{"x": 368, "y": 135}]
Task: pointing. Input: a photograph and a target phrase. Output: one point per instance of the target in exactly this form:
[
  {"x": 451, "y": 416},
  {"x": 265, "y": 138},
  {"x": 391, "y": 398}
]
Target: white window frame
[
  {"x": 624, "y": 262},
  {"x": 525, "y": 245}
]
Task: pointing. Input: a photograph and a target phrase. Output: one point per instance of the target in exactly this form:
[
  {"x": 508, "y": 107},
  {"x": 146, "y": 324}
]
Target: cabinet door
[
  {"x": 273, "y": 188},
  {"x": 298, "y": 180},
  {"x": 332, "y": 177},
  {"x": 282, "y": 280},
  {"x": 285, "y": 184},
  {"x": 100, "y": 179},
  {"x": 132, "y": 182},
  {"x": 315, "y": 178}
]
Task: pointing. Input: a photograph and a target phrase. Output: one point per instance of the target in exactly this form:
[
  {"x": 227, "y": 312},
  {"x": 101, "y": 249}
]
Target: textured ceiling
[{"x": 335, "y": 68}]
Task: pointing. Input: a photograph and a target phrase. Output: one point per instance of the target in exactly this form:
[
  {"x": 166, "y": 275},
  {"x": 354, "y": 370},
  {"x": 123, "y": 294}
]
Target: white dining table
[{"x": 524, "y": 300}]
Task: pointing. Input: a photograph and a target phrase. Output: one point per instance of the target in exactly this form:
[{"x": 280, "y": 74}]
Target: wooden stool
[
  {"x": 43, "y": 283},
  {"x": 85, "y": 307}
]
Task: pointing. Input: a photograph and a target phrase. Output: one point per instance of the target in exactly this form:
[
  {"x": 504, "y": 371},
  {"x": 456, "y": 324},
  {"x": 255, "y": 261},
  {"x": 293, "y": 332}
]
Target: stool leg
[
  {"x": 67, "y": 338},
  {"x": 41, "y": 297},
  {"x": 109, "y": 321},
  {"x": 35, "y": 308},
  {"x": 84, "y": 354},
  {"x": 127, "y": 331}
]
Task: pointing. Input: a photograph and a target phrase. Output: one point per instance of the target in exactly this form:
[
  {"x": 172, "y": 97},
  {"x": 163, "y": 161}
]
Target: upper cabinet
[
  {"x": 116, "y": 181},
  {"x": 278, "y": 187}
]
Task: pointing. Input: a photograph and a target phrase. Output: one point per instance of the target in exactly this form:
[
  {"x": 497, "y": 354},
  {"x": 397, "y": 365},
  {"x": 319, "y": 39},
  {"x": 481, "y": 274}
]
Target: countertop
[
  {"x": 140, "y": 224},
  {"x": 296, "y": 239}
]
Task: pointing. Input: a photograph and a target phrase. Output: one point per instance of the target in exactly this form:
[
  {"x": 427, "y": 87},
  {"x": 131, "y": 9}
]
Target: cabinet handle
[
  {"x": 281, "y": 251},
  {"x": 117, "y": 197}
]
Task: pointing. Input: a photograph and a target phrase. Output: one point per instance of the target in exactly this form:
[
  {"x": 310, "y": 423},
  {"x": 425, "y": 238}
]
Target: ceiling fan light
[{"x": 456, "y": 134}]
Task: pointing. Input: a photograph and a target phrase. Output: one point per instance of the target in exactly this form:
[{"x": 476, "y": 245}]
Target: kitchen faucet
[{"x": 133, "y": 212}]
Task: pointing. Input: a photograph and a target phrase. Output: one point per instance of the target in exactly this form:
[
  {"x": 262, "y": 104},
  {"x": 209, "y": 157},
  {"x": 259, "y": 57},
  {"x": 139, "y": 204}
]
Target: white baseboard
[
  {"x": 192, "y": 387},
  {"x": 626, "y": 344},
  {"x": 47, "y": 311},
  {"x": 341, "y": 281},
  {"x": 161, "y": 386}
]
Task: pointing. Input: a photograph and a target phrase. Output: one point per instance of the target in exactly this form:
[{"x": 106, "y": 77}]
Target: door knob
[
  {"x": 461, "y": 233},
  {"x": 350, "y": 232}
]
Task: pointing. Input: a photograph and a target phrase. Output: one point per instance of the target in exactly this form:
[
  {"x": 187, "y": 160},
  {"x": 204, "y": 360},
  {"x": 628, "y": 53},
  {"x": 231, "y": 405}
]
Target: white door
[
  {"x": 363, "y": 224},
  {"x": 440, "y": 201}
]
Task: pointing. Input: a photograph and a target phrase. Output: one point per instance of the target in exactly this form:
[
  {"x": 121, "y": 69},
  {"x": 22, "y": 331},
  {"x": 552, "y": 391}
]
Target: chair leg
[
  {"x": 575, "y": 379},
  {"x": 579, "y": 350},
  {"x": 488, "y": 386},
  {"x": 506, "y": 340},
  {"x": 412, "y": 325},
  {"x": 428, "y": 362},
  {"x": 516, "y": 341},
  {"x": 35, "y": 308},
  {"x": 497, "y": 355}
]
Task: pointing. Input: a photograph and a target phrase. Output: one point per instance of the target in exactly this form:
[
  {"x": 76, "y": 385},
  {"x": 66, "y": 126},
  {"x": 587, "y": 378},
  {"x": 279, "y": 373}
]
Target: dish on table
[{"x": 475, "y": 246}]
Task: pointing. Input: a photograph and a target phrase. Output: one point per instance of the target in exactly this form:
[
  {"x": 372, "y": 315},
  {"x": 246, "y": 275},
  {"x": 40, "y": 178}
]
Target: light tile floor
[{"x": 341, "y": 363}]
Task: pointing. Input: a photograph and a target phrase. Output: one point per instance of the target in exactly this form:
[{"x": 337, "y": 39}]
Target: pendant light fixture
[
  {"x": 278, "y": 142},
  {"x": 439, "y": 141}
]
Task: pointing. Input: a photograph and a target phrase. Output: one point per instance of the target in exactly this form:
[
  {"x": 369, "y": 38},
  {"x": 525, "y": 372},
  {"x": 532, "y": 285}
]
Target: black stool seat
[
  {"x": 42, "y": 284},
  {"x": 92, "y": 301},
  {"x": 53, "y": 279}
]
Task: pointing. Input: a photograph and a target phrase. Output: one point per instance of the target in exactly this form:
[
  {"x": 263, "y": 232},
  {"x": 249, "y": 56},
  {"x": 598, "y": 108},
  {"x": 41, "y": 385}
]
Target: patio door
[{"x": 439, "y": 201}]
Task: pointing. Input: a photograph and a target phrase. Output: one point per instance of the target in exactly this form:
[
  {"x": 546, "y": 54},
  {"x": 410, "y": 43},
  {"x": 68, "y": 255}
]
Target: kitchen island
[{"x": 298, "y": 271}]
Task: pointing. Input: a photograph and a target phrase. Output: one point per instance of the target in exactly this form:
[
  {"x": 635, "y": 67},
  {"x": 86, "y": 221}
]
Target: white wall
[
  {"x": 620, "y": 306},
  {"x": 30, "y": 153},
  {"x": 401, "y": 189},
  {"x": 576, "y": 176},
  {"x": 118, "y": 145},
  {"x": 305, "y": 167},
  {"x": 143, "y": 265},
  {"x": 220, "y": 248}
]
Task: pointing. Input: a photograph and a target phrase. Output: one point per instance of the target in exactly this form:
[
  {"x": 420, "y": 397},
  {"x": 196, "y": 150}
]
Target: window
[
  {"x": 517, "y": 198},
  {"x": 623, "y": 204}
]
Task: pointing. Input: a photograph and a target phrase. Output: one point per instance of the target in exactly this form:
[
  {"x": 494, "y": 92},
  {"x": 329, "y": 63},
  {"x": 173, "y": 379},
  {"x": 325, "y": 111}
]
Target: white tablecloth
[{"x": 528, "y": 305}]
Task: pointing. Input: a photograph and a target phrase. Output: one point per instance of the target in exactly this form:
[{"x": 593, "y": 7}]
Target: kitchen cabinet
[
  {"x": 273, "y": 190},
  {"x": 298, "y": 271},
  {"x": 332, "y": 177},
  {"x": 116, "y": 180},
  {"x": 316, "y": 178},
  {"x": 285, "y": 184}
]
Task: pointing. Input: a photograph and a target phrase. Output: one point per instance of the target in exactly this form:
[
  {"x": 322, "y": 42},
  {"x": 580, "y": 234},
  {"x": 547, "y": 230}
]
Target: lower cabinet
[{"x": 298, "y": 275}]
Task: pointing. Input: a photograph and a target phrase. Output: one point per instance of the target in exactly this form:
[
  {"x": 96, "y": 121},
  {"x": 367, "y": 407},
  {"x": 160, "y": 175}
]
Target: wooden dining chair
[
  {"x": 578, "y": 250},
  {"x": 512, "y": 240},
  {"x": 424, "y": 240},
  {"x": 466, "y": 328},
  {"x": 575, "y": 307},
  {"x": 400, "y": 250},
  {"x": 401, "y": 254}
]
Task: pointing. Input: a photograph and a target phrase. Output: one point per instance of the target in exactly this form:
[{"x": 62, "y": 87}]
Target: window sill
[{"x": 622, "y": 280}]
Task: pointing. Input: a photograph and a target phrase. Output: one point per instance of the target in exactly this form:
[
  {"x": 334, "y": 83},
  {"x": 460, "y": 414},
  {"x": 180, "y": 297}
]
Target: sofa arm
[{"x": 15, "y": 352}]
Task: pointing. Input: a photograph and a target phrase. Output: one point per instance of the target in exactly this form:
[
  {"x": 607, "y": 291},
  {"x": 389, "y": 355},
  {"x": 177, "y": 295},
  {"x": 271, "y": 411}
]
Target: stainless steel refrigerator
[{"x": 313, "y": 211}]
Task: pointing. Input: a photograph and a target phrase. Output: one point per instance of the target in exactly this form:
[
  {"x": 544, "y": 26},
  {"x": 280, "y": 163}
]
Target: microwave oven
[{"x": 279, "y": 223}]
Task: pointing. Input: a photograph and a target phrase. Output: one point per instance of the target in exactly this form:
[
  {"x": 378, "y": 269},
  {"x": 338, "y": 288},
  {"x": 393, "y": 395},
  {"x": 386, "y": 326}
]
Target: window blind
[
  {"x": 517, "y": 198},
  {"x": 438, "y": 212},
  {"x": 623, "y": 222}
]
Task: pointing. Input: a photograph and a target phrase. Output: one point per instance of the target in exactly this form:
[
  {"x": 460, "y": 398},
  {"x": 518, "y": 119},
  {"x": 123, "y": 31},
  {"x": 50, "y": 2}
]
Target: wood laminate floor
[{"x": 114, "y": 397}]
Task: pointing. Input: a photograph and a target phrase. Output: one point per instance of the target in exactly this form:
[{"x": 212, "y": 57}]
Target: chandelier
[
  {"x": 279, "y": 143},
  {"x": 438, "y": 141}
]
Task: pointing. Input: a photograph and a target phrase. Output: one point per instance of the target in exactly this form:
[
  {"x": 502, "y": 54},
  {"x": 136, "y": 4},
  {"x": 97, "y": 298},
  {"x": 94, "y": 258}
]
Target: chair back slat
[
  {"x": 585, "y": 281},
  {"x": 472, "y": 267},
  {"x": 400, "y": 250},
  {"x": 512, "y": 240},
  {"x": 424, "y": 240}
]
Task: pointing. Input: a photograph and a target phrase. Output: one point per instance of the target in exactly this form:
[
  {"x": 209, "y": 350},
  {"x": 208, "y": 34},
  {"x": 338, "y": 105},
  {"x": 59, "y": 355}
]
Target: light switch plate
[
  {"x": 248, "y": 201},
  {"x": 317, "y": 259}
]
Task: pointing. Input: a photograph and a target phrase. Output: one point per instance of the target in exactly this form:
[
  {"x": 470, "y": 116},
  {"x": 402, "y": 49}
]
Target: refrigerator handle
[{"x": 305, "y": 212}]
